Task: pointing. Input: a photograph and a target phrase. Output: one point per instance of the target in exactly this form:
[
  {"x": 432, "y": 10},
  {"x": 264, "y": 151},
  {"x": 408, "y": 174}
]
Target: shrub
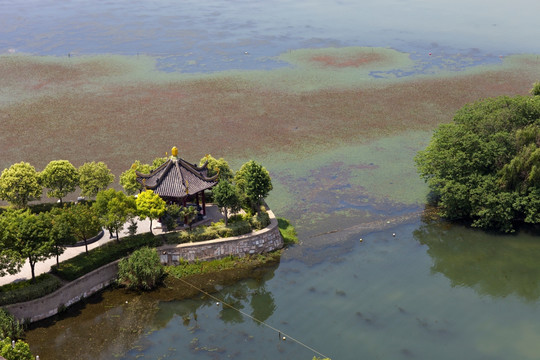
[
  {"x": 260, "y": 220},
  {"x": 9, "y": 326},
  {"x": 21, "y": 350},
  {"x": 26, "y": 290},
  {"x": 84, "y": 263},
  {"x": 240, "y": 228},
  {"x": 142, "y": 270},
  {"x": 236, "y": 218}
]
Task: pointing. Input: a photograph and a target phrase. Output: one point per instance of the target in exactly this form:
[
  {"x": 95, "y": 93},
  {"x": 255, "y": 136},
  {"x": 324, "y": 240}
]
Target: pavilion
[{"x": 177, "y": 181}]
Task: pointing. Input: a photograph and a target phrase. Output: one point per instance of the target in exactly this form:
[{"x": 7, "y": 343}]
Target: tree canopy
[
  {"x": 485, "y": 165},
  {"x": 19, "y": 184},
  {"x": 254, "y": 183},
  {"x": 215, "y": 165},
  {"x": 114, "y": 208},
  {"x": 150, "y": 205},
  {"x": 60, "y": 177},
  {"x": 94, "y": 176},
  {"x": 226, "y": 197},
  {"x": 128, "y": 179},
  {"x": 28, "y": 236},
  {"x": 85, "y": 222}
]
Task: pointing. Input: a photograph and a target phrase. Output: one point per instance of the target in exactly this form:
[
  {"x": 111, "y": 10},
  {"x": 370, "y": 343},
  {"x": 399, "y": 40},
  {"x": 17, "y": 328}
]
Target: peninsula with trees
[{"x": 484, "y": 167}]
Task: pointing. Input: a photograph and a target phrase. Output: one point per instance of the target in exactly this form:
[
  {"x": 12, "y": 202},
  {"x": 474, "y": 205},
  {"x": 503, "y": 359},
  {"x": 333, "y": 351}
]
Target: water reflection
[
  {"x": 495, "y": 265},
  {"x": 120, "y": 323}
]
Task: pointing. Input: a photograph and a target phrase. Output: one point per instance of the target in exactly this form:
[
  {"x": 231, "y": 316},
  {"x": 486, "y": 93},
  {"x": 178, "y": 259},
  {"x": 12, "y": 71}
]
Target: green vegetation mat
[
  {"x": 288, "y": 232},
  {"x": 229, "y": 262}
]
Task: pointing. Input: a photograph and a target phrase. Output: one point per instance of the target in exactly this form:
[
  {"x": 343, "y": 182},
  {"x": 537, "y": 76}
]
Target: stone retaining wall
[
  {"x": 69, "y": 294},
  {"x": 265, "y": 240},
  {"x": 258, "y": 242}
]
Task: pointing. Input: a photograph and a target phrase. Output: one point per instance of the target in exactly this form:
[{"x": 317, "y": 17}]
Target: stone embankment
[{"x": 258, "y": 242}]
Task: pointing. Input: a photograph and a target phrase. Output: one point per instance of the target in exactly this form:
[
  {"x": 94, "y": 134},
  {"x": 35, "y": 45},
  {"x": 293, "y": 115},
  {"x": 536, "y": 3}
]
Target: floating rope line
[{"x": 280, "y": 332}]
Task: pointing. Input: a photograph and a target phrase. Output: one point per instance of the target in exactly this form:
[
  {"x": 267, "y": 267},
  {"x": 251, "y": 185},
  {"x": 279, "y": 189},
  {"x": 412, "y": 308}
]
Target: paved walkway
[{"x": 212, "y": 212}]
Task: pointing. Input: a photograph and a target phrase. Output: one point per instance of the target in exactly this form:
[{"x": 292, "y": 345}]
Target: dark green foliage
[
  {"x": 485, "y": 166},
  {"x": 288, "y": 232},
  {"x": 253, "y": 183},
  {"x": 21, "y": 350},
  {"x": 61, "y": 232},
  {"x": 226, "y": 197},
  {"x": 260, "y": 220},
  {"x": 84, "y": 263},
  {"x": 27, "y": 290},
  {"x": 172, "y": 219},
  {"x": 114, "y": 209},
  {"x": 189, "y": 214},
  {"x": 9, "y": 326},
  {"x": 26, "y": 236},
  {"x": 85, "y": 222},
  {"x": 142, "y": 270},
  {"x": 45, "y": 207}
]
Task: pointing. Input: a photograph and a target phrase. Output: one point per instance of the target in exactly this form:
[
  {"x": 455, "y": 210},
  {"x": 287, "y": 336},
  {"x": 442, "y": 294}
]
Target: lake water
[{"x": 432, "y": 291}]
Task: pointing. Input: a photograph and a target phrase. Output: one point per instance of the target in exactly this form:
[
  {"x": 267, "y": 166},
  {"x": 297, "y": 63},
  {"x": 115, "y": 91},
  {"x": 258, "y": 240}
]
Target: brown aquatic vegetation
[
  {"x": 119, "y": 123},
  {"x": 352, "y": 61}
]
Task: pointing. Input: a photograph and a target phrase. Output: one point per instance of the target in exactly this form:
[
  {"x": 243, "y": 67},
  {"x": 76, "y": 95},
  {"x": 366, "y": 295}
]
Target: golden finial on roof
[{"x": 174, "y": 151}]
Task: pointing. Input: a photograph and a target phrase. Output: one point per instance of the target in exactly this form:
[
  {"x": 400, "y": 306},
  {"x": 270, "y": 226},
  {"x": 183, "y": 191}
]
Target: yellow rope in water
[{"x": 255, "y": 319}]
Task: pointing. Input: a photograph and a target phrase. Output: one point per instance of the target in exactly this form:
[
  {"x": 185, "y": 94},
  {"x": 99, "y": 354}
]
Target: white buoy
[
  {"x": 217, "y": 304},
  {"x": 284, "y": 338},
  {"x": 394, "y": 234}
]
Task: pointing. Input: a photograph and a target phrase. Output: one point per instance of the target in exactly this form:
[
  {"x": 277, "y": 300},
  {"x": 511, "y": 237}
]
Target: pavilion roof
[{"x": 177, "y": 178}]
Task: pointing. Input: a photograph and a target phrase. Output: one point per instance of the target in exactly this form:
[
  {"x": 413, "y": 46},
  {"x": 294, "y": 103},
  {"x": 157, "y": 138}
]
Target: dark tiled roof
[{"x": 177, "y": 178}]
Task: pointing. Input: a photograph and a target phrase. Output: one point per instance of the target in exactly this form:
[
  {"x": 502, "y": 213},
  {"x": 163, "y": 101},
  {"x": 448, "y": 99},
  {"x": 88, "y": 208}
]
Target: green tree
[
  {"x": 21, "y": 350},
  {"x": 142, "y": 270},
  {"x": 215, "y": 165},
  {"x": 20, "y": 184},
  {"x": 254, "y": 183},
  {"x": 189, "y": 213},
  {"x": 29, "y": 236},
  {"x": 114, "y": 209},
  {"x": 11, "y": 261},
  {"x": 150, "y": 205},
  {"x": 9, "y": 326},
  {"x": 170, "y": 218},
  {"x": 60, "y": 177},
  {"x": 226, "y": 197},
  {"x": 85, "y": 222},
  {"x": 535, "y": 91},
  {"x": 61, "y": 233},
  {"x": 93, "y": 177},
  {"x": 485, "y": 166},
  {"x": 128, "y": 179}
]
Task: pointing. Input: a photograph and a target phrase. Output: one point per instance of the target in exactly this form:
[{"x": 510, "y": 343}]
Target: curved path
[{"x": 212, "y": 211}]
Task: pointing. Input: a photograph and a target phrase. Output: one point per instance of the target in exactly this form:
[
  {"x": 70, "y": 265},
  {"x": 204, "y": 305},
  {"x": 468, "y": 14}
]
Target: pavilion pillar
[{"x": 203, "y": 204}]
